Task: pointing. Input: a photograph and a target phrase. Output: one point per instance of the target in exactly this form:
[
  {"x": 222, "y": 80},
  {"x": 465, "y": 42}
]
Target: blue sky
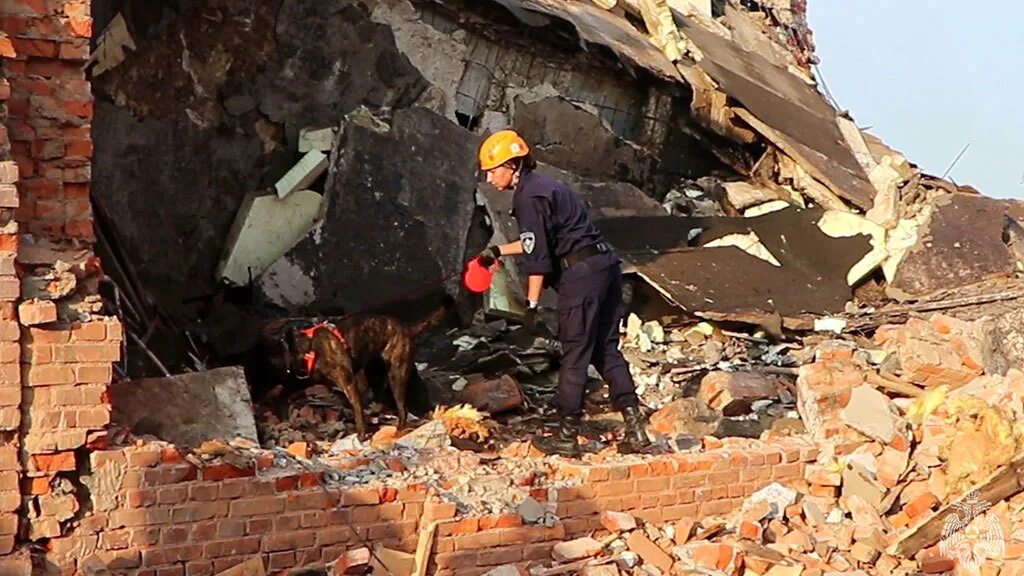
[{"x": 928, "y": 77}]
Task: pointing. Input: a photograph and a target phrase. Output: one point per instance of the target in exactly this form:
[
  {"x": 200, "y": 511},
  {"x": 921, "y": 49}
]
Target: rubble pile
[{"x": 901, "y": 470}]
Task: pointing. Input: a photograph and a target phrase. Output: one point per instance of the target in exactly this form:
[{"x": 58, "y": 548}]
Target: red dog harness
[{"x": 310, "y": 357}]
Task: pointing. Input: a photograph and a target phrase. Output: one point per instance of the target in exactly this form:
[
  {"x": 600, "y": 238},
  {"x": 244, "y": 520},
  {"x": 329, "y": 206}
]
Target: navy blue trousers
[{"x": 589, "y": 311}]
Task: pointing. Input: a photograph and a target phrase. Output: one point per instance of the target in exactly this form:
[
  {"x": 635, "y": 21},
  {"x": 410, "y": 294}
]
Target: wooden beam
[{"x": 1002, "y": 484}]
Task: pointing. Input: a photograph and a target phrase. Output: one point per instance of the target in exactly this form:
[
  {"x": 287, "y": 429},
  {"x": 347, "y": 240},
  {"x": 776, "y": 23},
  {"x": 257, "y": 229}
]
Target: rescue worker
[{"x": 559, "y": 243}]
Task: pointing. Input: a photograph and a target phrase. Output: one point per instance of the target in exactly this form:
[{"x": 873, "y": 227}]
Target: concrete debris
[
  {"x": 110, "y": 48},
  {"x": 531, "y": 511},
  {"x": 321, "y": 139},
  {"x": 187, "y": 409},
  {"x": 265, "y": 228},
  {"x": 431, "y": 436},
  {"x": 868, "y": 412},
  {"x": 311, "y": 167},
  {"x": 733, "y": 393}
]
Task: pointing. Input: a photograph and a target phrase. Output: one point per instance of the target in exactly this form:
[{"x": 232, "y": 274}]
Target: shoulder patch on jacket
[{"x": 529, "y": 241}]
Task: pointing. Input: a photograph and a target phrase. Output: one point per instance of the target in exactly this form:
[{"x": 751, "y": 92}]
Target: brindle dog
[{"x": 342, "y": 351}]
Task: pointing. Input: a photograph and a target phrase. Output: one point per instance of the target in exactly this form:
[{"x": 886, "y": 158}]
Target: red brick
[
  {"x": 89, "y": 331},
  {"x": 362, "y": 497},
  {"x": 289, "y": 541},
  {"x": 257, "y": 506},
  {"x": 465, "y": 526},
  {"x": 82, "y": 352},
  {"x": 94, "y": 374},
  {"x": 224, "y": 471},
  {"x": 198, "y": 511},
  {"x": 7, "y": 48},
  {"x": 10, "y": 288},
  {"x": 82, "y": 148},
  {"x": 60, "y": 462},
  {"x": 35, "y": 48},
  {"x": 199, "y": 568}
]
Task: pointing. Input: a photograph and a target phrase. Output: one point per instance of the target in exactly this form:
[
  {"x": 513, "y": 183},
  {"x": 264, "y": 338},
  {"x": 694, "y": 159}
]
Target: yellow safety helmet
[{"x": 501, "y": 147}]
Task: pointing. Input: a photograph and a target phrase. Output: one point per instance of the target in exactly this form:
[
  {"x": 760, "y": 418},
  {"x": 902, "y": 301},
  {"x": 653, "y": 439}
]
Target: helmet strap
[{"x": 518, "y": 172}]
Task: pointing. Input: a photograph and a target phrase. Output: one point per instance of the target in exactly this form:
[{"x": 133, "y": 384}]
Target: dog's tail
[{"x": 446, "y": 304}]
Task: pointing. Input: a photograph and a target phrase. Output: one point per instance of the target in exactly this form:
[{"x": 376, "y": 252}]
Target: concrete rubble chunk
[
  {"x": 531, "y": 511},
  {"x": 577, "y": 549},
  {"x": 685, "y": 416},
  {"x": 734, "y": 392},
  {"x": 616, "y": 522},
  {"x": 304, "y": 173},
  {"x": 51, "y": 285},
  {"x": 321, "y": 139},
  {"x": 869, "y": 413},
  {"x": 265, "y": 228},
  {"x": 493, "y": 395},
  {"x": 779, "y": 497},
  {"x": 628, "y": 560},
  {"x": 187, "y": 409},
  {"x": 430, "y": 436},
  {"x": 858, "y": 481}
]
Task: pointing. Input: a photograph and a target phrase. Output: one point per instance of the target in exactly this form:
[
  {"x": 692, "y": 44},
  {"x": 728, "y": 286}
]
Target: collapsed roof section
[{"x": 748, "y": 88}]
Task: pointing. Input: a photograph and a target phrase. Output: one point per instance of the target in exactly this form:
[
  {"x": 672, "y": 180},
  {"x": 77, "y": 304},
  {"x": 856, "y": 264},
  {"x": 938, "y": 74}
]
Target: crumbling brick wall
[
  {"x": 10, "y": 351},
  {"x": 54, "y": 372},
  {"x": 155, "y": 512}
]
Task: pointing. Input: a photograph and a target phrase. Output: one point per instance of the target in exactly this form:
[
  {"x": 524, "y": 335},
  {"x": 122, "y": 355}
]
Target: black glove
[
  {"x": 530, "y": 321},
  {"x": 489, "y": 255}
]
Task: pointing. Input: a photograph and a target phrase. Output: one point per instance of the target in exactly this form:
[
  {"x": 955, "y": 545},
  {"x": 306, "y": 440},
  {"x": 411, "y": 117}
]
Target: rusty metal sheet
[
  {"x": 597, "y": 26},
  {"x": 793, "y": 109},
  {"x": 963, "y": 245},
  {"x": 812, "y": 278}
]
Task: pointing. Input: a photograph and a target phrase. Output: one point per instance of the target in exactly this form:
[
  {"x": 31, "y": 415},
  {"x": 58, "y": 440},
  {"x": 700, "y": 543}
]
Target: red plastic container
[{"x": 477, "y": 277}]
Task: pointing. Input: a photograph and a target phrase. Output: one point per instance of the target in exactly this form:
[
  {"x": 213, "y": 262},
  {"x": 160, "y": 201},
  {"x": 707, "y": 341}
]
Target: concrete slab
[
  {"x": 264, "y": 230},
  {"x": 187, "y": 409},
  {"x": 311, "y": 167}
]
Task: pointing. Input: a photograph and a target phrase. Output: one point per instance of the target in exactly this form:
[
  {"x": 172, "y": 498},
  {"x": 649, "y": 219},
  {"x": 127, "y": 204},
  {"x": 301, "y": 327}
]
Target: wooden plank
[
  {"x": 1002, "y": 484},
  {"x": 424, "y": 548},
  {"x": 897, "y": 386}
]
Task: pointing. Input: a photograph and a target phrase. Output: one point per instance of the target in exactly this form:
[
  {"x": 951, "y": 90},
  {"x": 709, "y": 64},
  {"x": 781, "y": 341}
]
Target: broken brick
[
  {"x": 616, "y": 522},
  {"x": 733, "y": 393},
  {"x": 356, "y": 561},
  {"x": 642, "y": 546},
  {"x": 577, "y": 549}
]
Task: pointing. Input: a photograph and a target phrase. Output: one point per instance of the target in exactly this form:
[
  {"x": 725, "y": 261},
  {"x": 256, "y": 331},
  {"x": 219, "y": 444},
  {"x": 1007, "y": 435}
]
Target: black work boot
[
  {"x": 635, "y": 439},
  {"x": 564, "y": 441}
]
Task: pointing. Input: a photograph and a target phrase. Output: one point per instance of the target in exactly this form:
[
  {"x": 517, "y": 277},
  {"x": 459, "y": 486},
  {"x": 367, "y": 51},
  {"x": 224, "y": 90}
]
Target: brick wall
[
  {"x": 50, "y": 113},
  {"x": 10, "y": 351},
  {"x": 155, "y": 513},
  {"x": 53, "y": 374}
]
